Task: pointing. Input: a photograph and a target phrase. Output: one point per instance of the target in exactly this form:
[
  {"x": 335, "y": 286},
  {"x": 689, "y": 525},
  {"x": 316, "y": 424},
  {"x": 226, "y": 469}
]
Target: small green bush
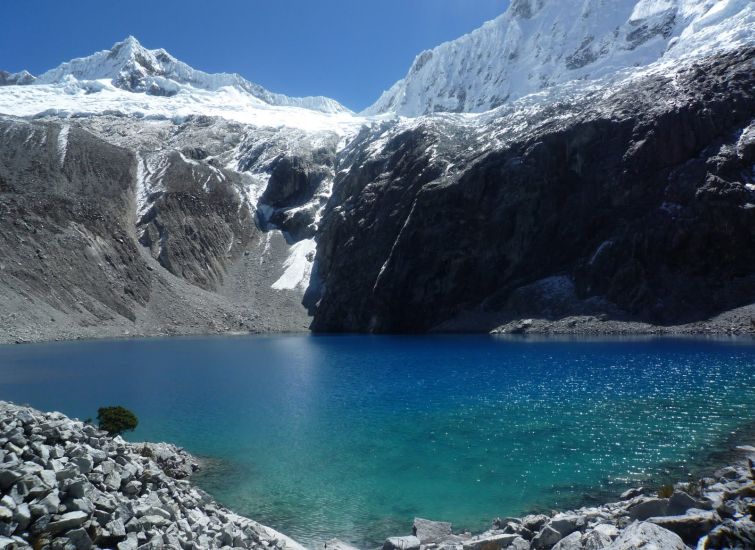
[
  {"x": 116, "y": 420},
  {"x": 666, "y": 491}
]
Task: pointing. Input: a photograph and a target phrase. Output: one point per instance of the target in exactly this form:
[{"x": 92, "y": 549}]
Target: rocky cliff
[{"x": 636, "y": 204}]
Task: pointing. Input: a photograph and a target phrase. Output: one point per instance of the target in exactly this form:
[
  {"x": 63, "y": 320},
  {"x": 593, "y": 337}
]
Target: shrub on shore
[
  {"x": 116, "y": 420},
  {"x": 666, "y": 491}
]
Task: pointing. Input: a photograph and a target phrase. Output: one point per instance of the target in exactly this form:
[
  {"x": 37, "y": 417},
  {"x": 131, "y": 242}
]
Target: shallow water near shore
[{"x": 354, "y": 436}]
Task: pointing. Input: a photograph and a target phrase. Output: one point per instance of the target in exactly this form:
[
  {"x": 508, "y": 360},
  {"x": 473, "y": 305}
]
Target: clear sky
[{"x": 350, "y": 50}]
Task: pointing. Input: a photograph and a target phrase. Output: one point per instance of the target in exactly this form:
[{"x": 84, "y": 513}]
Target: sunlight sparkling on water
[{"x": 355, "y": 436}]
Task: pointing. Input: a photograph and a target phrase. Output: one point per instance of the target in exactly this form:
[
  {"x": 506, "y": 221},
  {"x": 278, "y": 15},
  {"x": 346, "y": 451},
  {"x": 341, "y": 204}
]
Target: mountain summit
[
  {"x": 536, "y": 44},
  {"x": 130, "y": 66}
]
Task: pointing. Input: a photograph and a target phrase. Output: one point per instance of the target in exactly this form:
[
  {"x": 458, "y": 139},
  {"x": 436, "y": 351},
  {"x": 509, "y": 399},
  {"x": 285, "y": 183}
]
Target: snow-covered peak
[
  {"x": 130, "y": 66},
  {"x": 537, "y": 44},
  {"x": 19, "y": 78}
]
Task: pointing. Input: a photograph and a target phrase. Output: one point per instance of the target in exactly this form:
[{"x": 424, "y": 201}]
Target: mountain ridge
[
  {"x": 132, "y": 67},
  {"x": 536, "y": 44}
]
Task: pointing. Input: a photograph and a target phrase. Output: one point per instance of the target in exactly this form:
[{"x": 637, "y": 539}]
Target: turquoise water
[{"x": 353, "y": 436}]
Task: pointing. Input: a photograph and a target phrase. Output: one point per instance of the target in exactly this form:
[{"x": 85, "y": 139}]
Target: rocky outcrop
[
  {"x": 608, "y": 205},
  {"x": 65, "y": 484}
]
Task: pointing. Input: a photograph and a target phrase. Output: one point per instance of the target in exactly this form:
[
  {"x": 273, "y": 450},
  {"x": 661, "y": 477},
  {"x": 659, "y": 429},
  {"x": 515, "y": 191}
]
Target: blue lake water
[{"x": 354, "y": 436}]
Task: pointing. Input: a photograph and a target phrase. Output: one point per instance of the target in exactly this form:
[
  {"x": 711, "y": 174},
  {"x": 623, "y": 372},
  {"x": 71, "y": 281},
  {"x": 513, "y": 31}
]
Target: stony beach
[{"x": 66, "y": 485}]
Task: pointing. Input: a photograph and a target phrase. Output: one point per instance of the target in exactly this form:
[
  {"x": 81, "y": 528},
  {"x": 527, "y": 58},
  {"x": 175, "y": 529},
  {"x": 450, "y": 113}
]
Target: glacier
[
  {"x": 538, "y": 44},
  {"x": 131, "y": 80}
]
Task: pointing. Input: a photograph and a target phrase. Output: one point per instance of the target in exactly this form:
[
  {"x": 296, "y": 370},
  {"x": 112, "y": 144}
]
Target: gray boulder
[
  {"x": 691, "y": 526},
  {"x": 566, "y": 524},
  {"x": 490, "y": 542},
  {"x": 570, "y": 542},
  {"x": 516, "y": 528},
  {"x": 22, "y": 516},
  {"x": 8, "y": 477},
  {"x": 84, "y": 463},
  {"x": 534, "y": 522},
  {"x": 68, "y": 521},
  {"x": 80, "y": 539},
  {"x": 647, "y": 536},
  {"x": 680, "y": 502},
  {"x": 597, "y": 539},
  {"x": 431, "y": 531},
  {"x": 648, "y": 508},
  {"x": 48, "y": 505},
  {"x": 732, "y": 534},
  {"x": 632, "y": 493},
  {"x": 546, "y": 538},
  {"x": 402, "y": 543}
]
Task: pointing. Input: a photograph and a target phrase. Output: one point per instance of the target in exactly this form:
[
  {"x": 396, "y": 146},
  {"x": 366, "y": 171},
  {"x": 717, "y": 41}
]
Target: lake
[{"x": 354, "y": 436}]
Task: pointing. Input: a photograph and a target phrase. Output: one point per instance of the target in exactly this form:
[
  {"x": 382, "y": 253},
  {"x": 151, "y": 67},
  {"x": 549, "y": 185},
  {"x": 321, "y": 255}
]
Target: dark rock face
[
  {"x": 293, "y": 180},
  {"x": 642, "y": 200}
]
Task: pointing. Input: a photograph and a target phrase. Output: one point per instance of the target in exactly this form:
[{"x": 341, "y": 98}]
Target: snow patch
[
  {"x": 63, "y": 143},
  {"x": 298, "y": 266},
  {"x": 65, "y": 100}
]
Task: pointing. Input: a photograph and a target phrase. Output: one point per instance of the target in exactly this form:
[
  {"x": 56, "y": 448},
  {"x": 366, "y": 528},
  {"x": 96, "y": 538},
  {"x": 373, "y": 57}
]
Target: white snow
[
  {"x": 130, "y": 80},
  {"x": 63, "y": 143},
  {"x": 537, "y": 44},
  {"x": 131, "y": 66},
  {"x": 63, "y": 99},
  {"x": 298, "y": 266}
]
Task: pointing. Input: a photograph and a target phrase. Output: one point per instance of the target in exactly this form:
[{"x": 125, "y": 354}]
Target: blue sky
[{"x": 350, "y": 50}]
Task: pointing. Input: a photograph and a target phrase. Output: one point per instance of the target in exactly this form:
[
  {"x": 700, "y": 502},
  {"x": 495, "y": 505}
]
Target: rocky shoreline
[
  {"x": 717, "y": 512},
  {"x": 66, "y": 485},
  {"x": 739, "y": 322}
]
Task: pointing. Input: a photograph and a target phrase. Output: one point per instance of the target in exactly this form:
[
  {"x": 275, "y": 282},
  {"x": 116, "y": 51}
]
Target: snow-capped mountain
[
  {"x": 131, "y": 80},
  {"x": 11, "y": 79},
  {"x": 130, "y": 66},
  {"x": 536, "y": 44},
  {"x": 615, "y": 151}
]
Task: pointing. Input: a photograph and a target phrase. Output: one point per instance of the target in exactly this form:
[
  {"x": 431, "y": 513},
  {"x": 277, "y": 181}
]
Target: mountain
[
  {"x": 130, "y": 66},
  {"x": 11, "y": 79},
  {"x": 537, "y": 44},
  {"x": 141, "y": 197},
  {"x": 134, "y": 81}
]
